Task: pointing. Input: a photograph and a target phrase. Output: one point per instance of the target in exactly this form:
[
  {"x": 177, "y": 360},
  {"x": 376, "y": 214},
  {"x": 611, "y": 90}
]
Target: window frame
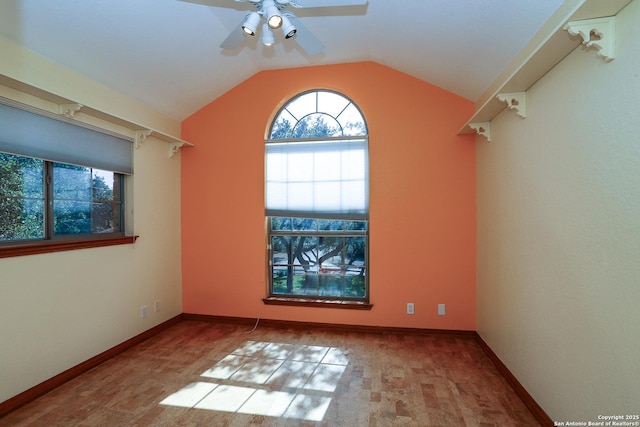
[
  {"x": 318, "y": 234},
  {"x": 50, "y": 242},
  {"x": 293, "y": 299},
  {"x": 50, "y": 200}
]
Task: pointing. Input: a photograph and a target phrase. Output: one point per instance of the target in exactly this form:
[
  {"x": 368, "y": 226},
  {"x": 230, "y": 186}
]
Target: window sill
[
  {"x": 59, "y": 246},
  {"x": 322, "y": 303}
]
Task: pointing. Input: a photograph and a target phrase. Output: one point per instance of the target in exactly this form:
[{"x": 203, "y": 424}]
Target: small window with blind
[
  {"x": 317, "y": 200},
  {"x": 59, "y": 181}
]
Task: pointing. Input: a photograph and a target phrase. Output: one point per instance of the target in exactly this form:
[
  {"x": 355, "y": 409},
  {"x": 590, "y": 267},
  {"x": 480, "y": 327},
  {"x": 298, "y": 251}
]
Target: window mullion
[{"x": 48, "y": 201}]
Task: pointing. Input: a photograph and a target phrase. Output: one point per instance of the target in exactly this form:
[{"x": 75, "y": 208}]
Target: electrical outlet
[
  {"x": 156, "y": 306},
  {"x": 410, "y": 308},
  {"x": 143, "y": 312},
  {"x": 441, "y": 309}
]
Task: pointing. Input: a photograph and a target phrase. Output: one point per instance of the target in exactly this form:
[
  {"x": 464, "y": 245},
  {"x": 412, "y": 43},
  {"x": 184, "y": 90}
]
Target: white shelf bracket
[
  {"x": 69, "y": 110},
  {"x": 174, "y": 147},
  {"x": 482, "y": 128},
  {"x": 516, "y": 101},
  {"x": 141, "y": 137},
  {"x": 599, "y": 33}
]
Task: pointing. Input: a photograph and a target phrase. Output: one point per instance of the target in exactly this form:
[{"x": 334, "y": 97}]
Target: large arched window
[{"x": 317, "y": 199}]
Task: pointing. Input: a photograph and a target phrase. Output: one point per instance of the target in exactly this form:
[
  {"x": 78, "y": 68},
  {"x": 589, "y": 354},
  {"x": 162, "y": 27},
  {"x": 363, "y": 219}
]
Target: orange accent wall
[{"x": 422, "y": 199}]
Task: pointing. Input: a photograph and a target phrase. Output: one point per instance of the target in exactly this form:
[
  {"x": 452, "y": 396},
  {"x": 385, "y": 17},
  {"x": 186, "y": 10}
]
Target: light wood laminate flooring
[{"x": 222, "y": 374}]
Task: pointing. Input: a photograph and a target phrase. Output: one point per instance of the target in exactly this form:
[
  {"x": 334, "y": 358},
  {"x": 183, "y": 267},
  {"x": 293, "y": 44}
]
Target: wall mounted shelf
[
  {"x": 545, "y": 50},
  {"x": 69, "y": 108},
  {"x": 174, "y": 144},
  {"x": 141, "y": 132}
]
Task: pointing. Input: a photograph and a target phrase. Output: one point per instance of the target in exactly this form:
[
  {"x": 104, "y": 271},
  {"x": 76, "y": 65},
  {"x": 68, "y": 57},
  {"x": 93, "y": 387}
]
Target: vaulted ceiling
[{"x": 166, "y": 54}]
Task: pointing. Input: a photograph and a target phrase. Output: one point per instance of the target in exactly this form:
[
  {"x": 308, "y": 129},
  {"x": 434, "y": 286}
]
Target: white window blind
[
  {"x": 26, "y": 133},
  {"x": 317, "y": 179}
]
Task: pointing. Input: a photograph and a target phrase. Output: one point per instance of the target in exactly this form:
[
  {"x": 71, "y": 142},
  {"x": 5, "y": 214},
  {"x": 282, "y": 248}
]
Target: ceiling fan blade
[
  {"x": 234, "y": 39},
  {"x": 305, "y": 38},
  {"x": 327, "y": 3},
  {"x": 211, "y": 2}
]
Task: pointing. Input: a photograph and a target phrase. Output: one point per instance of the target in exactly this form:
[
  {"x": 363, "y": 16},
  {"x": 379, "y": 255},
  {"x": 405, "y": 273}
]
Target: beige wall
[
  {"x": 559, "y": 234},
  {"x": 60, "y": 309}
]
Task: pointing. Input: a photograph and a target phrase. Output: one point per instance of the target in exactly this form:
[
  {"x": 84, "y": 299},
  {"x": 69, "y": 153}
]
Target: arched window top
[{"x": 318, "y": 113}]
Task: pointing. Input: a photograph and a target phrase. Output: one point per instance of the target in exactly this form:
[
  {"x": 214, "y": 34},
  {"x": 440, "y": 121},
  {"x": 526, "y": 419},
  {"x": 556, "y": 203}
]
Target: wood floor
[{"x": 222, "y": 374}]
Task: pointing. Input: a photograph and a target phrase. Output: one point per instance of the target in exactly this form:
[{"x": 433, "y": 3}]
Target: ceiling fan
[{"x": 273, "y": 15}]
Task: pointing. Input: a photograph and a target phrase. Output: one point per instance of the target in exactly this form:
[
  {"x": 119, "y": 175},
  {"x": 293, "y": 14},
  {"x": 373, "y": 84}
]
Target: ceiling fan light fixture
[
  {"x": 272, "y": 13},
  {"x": 275, "y": 21},
  {"x": 287, "y": 28},
  {"x": 251, "y": 22},
  {"x": 267, "y": 35}
]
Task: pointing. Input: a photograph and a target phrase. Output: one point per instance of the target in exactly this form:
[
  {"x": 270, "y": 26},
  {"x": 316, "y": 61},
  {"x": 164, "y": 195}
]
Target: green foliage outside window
[
  {"x": 21, "y": 198},
  {"x": 85, "y": 200},
  {"x": 318, "y": 257}
]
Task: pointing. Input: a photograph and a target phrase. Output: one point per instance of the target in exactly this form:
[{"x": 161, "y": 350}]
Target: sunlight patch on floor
[{"x": 270, "y": 379}]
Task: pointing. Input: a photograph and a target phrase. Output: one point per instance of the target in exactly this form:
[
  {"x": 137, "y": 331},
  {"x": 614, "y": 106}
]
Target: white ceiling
[{"x": 165, "y": 52}]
